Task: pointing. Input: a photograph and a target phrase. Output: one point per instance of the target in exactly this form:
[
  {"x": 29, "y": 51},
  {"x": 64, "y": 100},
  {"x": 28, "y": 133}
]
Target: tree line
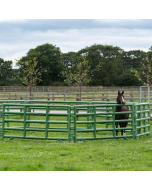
[{"x": 95, "y": 65}]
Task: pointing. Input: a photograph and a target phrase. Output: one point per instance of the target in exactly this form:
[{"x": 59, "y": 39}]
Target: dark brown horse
[{"x": 120, "y": 100}]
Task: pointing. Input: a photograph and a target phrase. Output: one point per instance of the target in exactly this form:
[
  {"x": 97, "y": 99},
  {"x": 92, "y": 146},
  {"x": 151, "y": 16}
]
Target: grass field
[
  {"x": 91, "y": 155},
  {"x": 101, "y": 155}
]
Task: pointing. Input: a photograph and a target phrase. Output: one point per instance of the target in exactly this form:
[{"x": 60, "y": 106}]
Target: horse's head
[{"x": 120, "y": 98}]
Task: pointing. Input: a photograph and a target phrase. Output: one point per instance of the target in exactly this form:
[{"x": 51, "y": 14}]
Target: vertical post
[
  {"x": 4, "y": 92},
  {"x": 130, "y": 97},
  {"x": 144, "y": 121},
  {"x": 77, "y": 100},
  {"x": 140, "y": 116},
  {"x": 102, "y": 97},
  {"x": 64, "y": 95},
  {"x": 149, "y": 118},
  {"x": 21, "y": 110},
  {"x": 88, "y": 111},
  {"x": 140, "y": 94},
  {"x": 29, "y": 110},
  {"x": 32, "y": 94},
  {"x": 24, "y": 122},
  {"x": 3, "y": 122},
  {"x": 113, "y": 118},
  {"x": 107, "y": 118},
  {"x": 132, "y": 93},
  {"x": 148, "y": 94},
  {"x": 94, "y": 119},
  {"x": 69, "y": 122},
  {"x": 48, "y": 95},
  {"x": 8, "y": 115},
  {"x": 93, "y": 94},
  {"x": 75, "y": 125},
  {"x": 47, "y": 119},
  {"x": 133, "y": 120}
]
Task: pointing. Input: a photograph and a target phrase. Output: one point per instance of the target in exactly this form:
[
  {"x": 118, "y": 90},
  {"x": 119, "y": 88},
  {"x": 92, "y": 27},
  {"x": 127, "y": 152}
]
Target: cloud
[
  {"x": 74, "y": 40},
  {"x": 125, "y": 23},
  {"x": 17, "y": 37}
]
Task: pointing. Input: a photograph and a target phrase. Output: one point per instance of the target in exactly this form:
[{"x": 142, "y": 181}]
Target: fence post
[
  {"x": 47, "y": 119},
  {"x": 133, "y": 122},
  {"x": 21, "y": 109},
  {"x": 64, "y": 95},
  {"x": 132, "y": 93},
  {"x": 130, "y": 97},
  {"x": 77, "y": 98},
  {"x": 75, "y": 124},
  {"x": 69, "y": 122},
  {"x": 145, "y": 95},
  {"x": 48, "y": 96},
  {"x": 93, "y": 94},
  {"x": 94, "y": 119},
  {"x": 24, "y": 124},
  {"x": 102, "y": 97},
  {"x": 113, "y": 118},
  {"x": 149, "y": 117},
  {"x": 3, "y": 123}
]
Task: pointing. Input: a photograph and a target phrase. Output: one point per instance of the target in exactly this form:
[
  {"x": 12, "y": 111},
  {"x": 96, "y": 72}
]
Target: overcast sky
[{"x": 17, "y": 36}]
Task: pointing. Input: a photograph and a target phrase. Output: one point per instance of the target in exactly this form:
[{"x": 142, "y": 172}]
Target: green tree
[
  {"x": 6, "y": 72},
  {"x": 144, "y": 74},
  {"x": 144, "y": 71},
  {"x": 68, "y": 59},
  {"x": 127, "y": 78},
  {"x": 49, "y": 57},
  {"x": 104, "y": 62},
  {"x": 29, "y": 72},
  {"x": 79, "y": 76}
]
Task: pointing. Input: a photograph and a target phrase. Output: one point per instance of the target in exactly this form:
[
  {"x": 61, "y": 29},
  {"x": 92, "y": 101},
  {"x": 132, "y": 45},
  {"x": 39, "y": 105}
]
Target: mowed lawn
[{"x": 91, "y": 155}]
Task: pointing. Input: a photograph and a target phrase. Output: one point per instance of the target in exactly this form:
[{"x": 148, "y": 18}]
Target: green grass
[
  {"x": 101, "y": 155},
  {"x": 93, "y": 155},
  {"x": 90, "y": 155}
]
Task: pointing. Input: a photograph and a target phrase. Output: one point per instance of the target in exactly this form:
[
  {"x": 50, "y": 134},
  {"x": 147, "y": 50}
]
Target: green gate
[
  {"x": 102, "y": 121},
  {"x": 1, "y": 109},
  {"x": 46, "y": 128},
  {"x": 142, "y": 119},
  {"x": 72, "y": 122},
  {"x": 1, "y": 115}
]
